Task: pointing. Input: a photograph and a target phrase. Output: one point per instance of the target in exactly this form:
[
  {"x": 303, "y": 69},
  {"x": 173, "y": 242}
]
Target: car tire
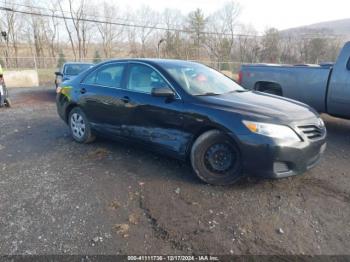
[
  {"x": 80, "y": 127},
  {"x": 216, "y": 159},
  {"x": 7, "y": 102}
]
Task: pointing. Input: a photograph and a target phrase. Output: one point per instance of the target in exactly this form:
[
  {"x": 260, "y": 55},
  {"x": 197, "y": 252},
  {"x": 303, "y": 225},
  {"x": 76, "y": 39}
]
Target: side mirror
[
  {"x": 163, "y": 92},
  {"x": 58, "y": 74}
]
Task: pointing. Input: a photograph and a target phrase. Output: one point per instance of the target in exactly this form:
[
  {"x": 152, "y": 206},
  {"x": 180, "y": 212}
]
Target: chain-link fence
[
  {"x": 47, "y": 66},
  {"x": 21, "y": 63}
]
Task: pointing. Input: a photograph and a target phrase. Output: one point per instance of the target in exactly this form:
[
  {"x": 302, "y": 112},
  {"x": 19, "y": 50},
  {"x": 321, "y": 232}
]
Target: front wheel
[
  {"x": 216, "y": 159},
  {"x": 80, "y": 126}
]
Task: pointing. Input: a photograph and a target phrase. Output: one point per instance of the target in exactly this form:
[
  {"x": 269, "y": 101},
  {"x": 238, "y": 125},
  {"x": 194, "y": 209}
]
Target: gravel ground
[{"x": 60, "y": 197}]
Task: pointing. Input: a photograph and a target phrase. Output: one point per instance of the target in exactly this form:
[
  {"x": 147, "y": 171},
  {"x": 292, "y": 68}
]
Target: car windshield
[
  {"x": 200, "y": 80},
  {"x": 75, "y": 69}
]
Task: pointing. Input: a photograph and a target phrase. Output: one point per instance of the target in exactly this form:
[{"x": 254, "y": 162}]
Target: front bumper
[
  {"x": 62, "y": 105},
  {"x": 264, "y": 157}
]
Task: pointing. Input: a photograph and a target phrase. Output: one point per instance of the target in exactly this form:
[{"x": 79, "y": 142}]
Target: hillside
[{"x": 336, "y": 27}]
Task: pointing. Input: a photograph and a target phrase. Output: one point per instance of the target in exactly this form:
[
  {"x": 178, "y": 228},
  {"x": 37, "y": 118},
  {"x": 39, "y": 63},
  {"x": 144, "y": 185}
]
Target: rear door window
[{"x": 109, "y": 76}]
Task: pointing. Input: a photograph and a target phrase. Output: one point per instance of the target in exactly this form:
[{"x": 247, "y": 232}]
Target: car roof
[
  {"x": 78, "y": 63},
  {"x": 157, "y": 61}
]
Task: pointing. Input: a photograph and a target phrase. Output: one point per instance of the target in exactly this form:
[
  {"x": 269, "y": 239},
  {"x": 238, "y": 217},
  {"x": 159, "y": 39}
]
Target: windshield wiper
[
  {"x": 239, "y": 91},
  {"x": 209, "y": 94},
  {"x": 215, "y": 94}
]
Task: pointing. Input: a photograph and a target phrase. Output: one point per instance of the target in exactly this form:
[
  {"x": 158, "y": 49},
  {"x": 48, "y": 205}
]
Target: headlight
[
  {"x": 281, "y": 132},
  {"x": 58, "y": 90},
  {"x": 320, "y": 123}
]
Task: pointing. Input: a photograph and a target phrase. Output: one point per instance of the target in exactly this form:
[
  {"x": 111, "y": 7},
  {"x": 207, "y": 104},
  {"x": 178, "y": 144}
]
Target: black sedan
[{"x": 190, "y": 111}]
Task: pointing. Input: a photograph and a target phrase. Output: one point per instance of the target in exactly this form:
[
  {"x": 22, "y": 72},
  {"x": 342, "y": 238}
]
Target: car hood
[{"x": 262, "y": 105}]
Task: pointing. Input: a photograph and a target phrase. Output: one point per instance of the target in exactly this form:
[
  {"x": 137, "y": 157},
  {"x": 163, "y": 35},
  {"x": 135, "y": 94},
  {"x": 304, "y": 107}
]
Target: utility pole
[{"x": 159, "y": 43}]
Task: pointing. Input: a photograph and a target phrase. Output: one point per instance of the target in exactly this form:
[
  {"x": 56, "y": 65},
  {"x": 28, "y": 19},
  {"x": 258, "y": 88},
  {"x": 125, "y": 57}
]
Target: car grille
[{"x": 312, "y": 132}]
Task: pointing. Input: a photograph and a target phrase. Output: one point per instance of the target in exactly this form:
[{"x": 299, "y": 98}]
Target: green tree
[
  {"x": 173, "y": 18},
  {"x": 270, "y": 52},
  {"x": 173, "y": 45},
  {"x": 97, "y": 57},
  {"x": 197, "y": 23},
  {"x": 61, "y": 60},
  {"x": 223, "y": 23},
  {"x": 317, "y": 49}
]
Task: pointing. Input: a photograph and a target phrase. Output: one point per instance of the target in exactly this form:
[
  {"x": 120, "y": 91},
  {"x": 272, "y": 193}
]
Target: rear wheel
[
  {"x": 80, "y": 127},
  {"x": 7, "y": 102},
  {"x": 216, "y": 159}
]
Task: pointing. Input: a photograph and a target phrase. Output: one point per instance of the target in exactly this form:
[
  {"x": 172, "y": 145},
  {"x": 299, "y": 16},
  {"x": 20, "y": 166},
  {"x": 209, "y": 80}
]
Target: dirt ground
[{"x": 60, "y": 197}]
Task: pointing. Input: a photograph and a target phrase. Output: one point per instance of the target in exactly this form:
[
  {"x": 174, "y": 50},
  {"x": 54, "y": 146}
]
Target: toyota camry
[{"x": 192, "y": 112}]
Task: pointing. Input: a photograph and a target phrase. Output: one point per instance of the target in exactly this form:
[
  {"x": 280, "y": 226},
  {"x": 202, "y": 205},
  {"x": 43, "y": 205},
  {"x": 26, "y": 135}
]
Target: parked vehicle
[
  {"x": 4, "y": 96},
  {"x": 70, "y": 70},
  {"x": 190, "y": 111},
  {"x": 324, "y": 87}
]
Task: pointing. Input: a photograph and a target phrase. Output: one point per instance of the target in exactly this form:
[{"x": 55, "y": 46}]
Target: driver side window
[{"x": 143, "y": 79}]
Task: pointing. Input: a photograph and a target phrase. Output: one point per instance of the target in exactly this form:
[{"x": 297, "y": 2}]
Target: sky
[{"x": 261, "y": 14}]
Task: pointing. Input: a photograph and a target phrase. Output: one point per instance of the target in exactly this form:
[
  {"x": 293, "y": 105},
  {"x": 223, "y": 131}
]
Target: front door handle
[
  {"x": 83, "y": 90},
  {"x": 126, "y": 99}
]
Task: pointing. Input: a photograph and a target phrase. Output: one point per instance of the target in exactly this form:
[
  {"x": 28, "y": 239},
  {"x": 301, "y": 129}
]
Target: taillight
[{"x": 240, "y": 77}]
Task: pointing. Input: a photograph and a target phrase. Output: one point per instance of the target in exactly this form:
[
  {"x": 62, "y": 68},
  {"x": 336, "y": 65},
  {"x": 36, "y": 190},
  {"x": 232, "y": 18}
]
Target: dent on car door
[
  {"x": 157, "y": 121},
  {"x": 101, "y": 93}
]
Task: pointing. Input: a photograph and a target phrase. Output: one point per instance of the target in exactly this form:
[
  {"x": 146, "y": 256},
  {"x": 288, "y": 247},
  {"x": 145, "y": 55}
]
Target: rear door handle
[
  {"x": 126, "y": 99},
  {"x": 83, "y": 90}
]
